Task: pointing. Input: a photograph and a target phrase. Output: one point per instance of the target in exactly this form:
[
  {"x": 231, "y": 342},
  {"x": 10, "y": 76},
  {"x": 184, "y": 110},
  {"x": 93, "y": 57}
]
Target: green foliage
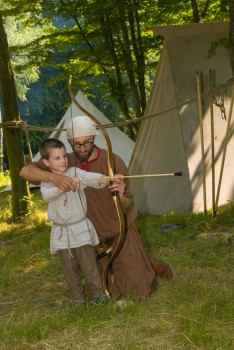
[
  {"x": 18, "y": 34},
  {"x": 105, "y": 46},
  {"x": 4, "y": 179},
  {"x": 5, "y": 209},
  {"x": 34, "y": 203},
  {"x": 215, "y": 45},
  {"x": 45, "y": 106}
]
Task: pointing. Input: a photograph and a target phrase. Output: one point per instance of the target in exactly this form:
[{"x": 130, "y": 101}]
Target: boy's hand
[{"x": 77, "y": 180}]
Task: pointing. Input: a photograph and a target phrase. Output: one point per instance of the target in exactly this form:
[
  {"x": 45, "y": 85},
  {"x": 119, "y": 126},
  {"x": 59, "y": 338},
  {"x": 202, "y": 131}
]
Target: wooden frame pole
[
  {"x": 212, "y": 85},
  {"x": 229, "y": 126},
  {"x": 199, "y": 100}
]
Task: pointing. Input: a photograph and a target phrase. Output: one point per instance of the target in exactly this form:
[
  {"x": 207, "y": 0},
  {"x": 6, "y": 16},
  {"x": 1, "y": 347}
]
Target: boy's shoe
[
  {"x": 123, "y": 303},
  {"x": 78, "y": 302},
  {"x": 100, "y": 298}
]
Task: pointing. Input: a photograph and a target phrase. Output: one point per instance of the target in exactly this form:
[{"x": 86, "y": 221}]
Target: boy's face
[{"x": 57, "y": 161}]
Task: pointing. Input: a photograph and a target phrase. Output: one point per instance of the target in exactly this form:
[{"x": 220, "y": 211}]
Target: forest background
[{"x": 104, "y": 45}]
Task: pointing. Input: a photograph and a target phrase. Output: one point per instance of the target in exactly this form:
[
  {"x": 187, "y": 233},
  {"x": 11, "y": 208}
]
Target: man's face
[{"x": 83, "y": 147}]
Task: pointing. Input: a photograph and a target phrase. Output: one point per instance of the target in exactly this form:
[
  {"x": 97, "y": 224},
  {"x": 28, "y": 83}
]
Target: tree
[
  {"x": 105, "y": 42},
  {"x": 102, "y": 43},
  {"x": 13, "y": 136}
]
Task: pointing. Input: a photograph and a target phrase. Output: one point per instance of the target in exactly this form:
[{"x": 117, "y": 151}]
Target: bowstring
[{"x": 78, "y": 189}]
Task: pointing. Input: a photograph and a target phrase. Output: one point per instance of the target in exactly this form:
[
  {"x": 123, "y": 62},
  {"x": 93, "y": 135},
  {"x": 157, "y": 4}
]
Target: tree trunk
[
  {"x": 1, "y": 145},
  {"x": 196, "y": 16},
  {"x": 231, "y": 33},
  {"x": 12, "y": 136}
]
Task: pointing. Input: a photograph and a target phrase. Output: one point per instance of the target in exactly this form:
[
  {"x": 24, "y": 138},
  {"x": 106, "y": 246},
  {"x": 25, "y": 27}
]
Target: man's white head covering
[{"x": 81, "y": 126}]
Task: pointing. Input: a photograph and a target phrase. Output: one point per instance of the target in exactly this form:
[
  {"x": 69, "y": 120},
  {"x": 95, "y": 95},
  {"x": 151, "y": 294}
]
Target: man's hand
[
  {"x": 35, "y": 175},
  {"x": 118, "y": 185},
  {"x": 64, "y": 183}
]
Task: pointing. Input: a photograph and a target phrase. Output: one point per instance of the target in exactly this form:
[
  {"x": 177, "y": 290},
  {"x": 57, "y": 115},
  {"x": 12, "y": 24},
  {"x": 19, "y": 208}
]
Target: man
[{"x": 133, "y": 273}]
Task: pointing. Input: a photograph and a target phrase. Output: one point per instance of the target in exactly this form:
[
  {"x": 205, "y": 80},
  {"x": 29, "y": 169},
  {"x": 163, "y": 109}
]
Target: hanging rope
[
  {"x": 218, "y": 101},
  {"x": 27, "y": 141},
  {"x": 19, "y": 125}
]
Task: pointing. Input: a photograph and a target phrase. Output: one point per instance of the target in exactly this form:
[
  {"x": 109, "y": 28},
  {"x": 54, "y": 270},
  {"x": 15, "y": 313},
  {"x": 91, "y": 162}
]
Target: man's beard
[{"x": 84, "y": 157}]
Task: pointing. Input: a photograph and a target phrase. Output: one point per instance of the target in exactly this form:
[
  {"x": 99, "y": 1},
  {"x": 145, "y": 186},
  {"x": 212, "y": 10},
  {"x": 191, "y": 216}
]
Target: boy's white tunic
[{"x": 71, "y": 227}]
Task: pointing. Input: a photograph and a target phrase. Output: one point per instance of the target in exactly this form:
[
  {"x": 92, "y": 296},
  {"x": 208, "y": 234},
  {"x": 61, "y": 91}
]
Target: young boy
[{"x": 73, "y": 235}]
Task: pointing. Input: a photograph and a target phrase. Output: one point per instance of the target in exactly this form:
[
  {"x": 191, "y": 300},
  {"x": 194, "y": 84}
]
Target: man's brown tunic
[{"x": 132, "y": 269}]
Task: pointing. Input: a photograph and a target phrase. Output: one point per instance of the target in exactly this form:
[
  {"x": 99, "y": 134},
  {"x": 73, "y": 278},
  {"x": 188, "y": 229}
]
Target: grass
[
  {"x": 4, "y": 179},
  {"x": 192, "y": 311}
]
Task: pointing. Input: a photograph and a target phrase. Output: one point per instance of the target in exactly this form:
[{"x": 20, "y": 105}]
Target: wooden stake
[
  {"x": 198, "y": 79},
  {"x": 212, "y": 85},
  {"x": 229, "y": 126}
]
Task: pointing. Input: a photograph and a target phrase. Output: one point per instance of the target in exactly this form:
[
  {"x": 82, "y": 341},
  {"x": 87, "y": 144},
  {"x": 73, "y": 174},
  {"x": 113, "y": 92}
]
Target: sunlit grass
[
  {"x": 37, "y": 208},
  {"x": 4, "y": 179},
  {"x": 194, "y": 310}
]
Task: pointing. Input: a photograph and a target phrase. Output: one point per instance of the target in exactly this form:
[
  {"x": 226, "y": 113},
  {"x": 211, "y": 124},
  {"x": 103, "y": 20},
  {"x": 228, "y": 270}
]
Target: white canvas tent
[
  {"x": 121, "y": 143},
  {"x": 171, "y": 142}
]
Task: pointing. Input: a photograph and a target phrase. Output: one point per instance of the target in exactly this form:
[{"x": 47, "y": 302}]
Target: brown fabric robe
[{"x": 132, "y": 269}]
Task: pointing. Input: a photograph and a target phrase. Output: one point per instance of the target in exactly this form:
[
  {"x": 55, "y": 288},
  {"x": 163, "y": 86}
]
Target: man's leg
[{"x": 161, "y": 268}]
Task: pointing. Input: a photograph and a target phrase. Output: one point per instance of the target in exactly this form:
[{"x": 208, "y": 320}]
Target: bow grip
[{"x": 114, "y": 194}]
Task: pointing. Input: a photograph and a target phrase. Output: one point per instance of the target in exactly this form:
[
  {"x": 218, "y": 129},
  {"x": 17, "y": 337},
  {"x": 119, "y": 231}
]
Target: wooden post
[
  {"x": 1, "y": 146},
  {"x": 199, "y": 100},
  {"x": 229, "y": 126},
  {"x": 212, "y": 85}
]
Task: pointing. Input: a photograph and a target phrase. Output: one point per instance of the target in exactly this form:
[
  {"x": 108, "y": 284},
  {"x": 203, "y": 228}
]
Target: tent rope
[
  {"x": 23, "y": 125},
  {"x": 19, "y": 124},
  {"x": 27, "y": 141}
]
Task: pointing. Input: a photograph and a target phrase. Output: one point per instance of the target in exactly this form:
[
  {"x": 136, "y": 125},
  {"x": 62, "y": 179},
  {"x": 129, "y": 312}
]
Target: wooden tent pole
[
  {"x": 199, "y": 99},
  {"x": 212, "y": 84},
  {"x": 229, "y": 126}
]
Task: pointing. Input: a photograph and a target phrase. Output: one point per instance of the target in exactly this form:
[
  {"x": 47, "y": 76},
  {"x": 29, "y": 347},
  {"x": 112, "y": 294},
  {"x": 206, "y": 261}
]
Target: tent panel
[
  {"x": 159, "y": 149},
  {"x": 174, "y": 137},
  {"x": 121, "y": 143}
]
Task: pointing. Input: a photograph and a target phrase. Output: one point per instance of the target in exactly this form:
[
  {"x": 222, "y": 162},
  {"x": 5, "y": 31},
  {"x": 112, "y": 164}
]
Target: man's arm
[{"x": 35, "y": 174}]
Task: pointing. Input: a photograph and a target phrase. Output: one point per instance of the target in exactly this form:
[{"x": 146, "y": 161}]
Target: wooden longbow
[{"x": 122, "y": 226}]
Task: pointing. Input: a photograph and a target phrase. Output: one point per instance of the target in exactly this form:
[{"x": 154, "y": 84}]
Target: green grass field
[{"x": 194, "y": 310}]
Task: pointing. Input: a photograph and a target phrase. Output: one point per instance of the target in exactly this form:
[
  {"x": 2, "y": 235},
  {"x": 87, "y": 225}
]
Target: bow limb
[{"x": 115, "y": 197}]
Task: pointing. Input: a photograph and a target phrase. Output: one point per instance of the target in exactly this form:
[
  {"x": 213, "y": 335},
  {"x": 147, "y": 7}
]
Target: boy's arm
[
  {"x": 49, "y": 194},
  {"x": 88, "y": 179},
  {"x": 104, "y": 181},
  {"x": 35, "y": 174}
]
